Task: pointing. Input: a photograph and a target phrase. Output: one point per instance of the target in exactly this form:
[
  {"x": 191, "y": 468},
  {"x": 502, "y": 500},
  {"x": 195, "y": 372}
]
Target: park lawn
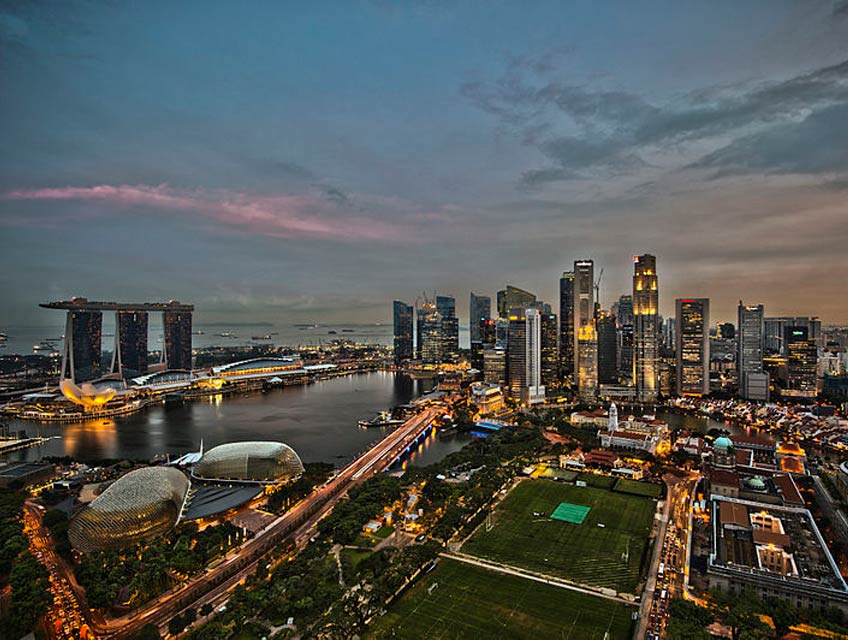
[
  {"x": 584, "y": 553},
  {"x": 471, "y": 602},
  {"x": 625, "y": 485},
  {"x": 352, "y": 558}
]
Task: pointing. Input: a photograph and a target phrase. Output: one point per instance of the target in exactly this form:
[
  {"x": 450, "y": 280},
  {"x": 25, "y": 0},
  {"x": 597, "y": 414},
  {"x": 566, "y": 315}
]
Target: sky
[{"x": 312, "y": 161}]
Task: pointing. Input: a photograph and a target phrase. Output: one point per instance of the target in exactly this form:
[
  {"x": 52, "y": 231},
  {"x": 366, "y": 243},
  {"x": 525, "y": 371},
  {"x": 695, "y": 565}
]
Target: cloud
[
  {"x": 587, "y": 131},
  {"x": 816, "y": 145},
  {"x": 280, "y": 216}
]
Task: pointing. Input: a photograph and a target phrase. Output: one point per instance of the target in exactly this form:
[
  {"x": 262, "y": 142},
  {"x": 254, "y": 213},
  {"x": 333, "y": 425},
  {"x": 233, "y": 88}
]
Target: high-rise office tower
[
  {"x": 550, "y": 352},
  {"x": 802, "y": 361},
  {"x": 607, "y": 348},
  {"x": 130, "y": 356},
  {"x": 402, "y": 322},
  {"x": 429, "y": 333},
  {"x": 750, "y": 350},
  {"x": 566, "y": 324},
  {"x": 513, "y": 298},
  {"x": 177, "y": 351},
  {"x": 775, "y": 331},
  {"x": 524, "y": 356},
  {"x": 480, "y": 308},
  {"x": 446, "y": 306},
  {"x": 693, "y": 346},
  {"x": 584, "y": 304},
  {"x": 624, "y": 355},
  {"x": 495, "y": 365},
  {"x": 486, "y": 337},
  {"x": 516, "y": 353},
  {"x": 82, "y": 347},
  {"x": 645, "y": 329},
  {"x": 624, "y": 314},
  {"x": 587, "y": 362}
]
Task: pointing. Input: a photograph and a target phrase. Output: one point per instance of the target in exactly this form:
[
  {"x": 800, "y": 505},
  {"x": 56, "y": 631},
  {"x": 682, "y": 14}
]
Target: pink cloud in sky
[{"x": 281, "y": 216}]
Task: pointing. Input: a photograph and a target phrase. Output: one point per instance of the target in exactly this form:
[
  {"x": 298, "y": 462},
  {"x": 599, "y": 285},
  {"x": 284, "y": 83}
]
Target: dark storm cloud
[{"x": 613, "y": 130}]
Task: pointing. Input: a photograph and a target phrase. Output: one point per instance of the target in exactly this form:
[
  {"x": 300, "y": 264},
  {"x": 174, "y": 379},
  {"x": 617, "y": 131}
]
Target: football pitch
[
  {"x": 457, "y": 600},
  {"x": 608, "y": 556}
]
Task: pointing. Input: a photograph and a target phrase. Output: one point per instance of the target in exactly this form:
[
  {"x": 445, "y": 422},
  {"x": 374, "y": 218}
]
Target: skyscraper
[
  {"x": 513, "y": 298},
  {"x": 775, "y": 331},
  {"x": 429, "y": 331},
  {"x": 645, "y": 329},
  {"x": 802, "y": 356},
  {"x": 607, "y": 348},
  {"x": 693, "y": 346},
  {"x": 446, "y": 306},
  {"x": 587, "y": 362},
  {"x": 624, "y": 321},
  {"x": 402, "y": 322},
  {"x": 550, "y": 352},
  {"x": 750, "y": 349},
  {"x": 480, "y": 308},
  {"x": 524, "y": 356},
  {"x": 82, "y": 347},
  {"x": 566, "y": 324},
  {"x": 177, "y": 351},
  {"x": 584, "y": 316},
  {"x": 130, "y": 355},
  {"x": 487, "y": 336}
]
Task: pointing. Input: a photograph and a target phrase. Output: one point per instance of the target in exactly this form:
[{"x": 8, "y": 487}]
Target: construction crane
[{"x": 598, "y": 291}]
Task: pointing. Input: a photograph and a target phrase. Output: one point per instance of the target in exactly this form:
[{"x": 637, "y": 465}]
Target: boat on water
[
  {"x": 227, "y": 334},
  {"x": 199, "y": 332},
  {"x": 267, "y": 336},
  {"x": 44, "y": 345},
  {"x": 383, "y": 419},
  {"x": 347, "y": 330},
  {"x": 331, "y": 332}
]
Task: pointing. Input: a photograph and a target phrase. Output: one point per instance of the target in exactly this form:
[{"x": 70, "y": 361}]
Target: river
[{"x": 318, "y": 420}]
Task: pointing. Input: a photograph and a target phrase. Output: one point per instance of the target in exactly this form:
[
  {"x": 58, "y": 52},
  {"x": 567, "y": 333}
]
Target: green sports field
[
  {"x": 625, "y": 485},
  {"x": 608, "y": 556},
  {"x": 470, "y": 602}
]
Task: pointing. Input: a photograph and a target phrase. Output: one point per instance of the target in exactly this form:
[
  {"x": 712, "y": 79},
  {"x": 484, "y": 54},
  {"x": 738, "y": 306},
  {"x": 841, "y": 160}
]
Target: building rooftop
[
  {"x": 83, "y": 304},
  {"x": 732, "y": 513}
]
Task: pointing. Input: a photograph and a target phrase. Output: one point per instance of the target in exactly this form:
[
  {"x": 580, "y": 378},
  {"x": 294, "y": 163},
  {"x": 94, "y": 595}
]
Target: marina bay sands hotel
[{"x": 82, "y": 348}]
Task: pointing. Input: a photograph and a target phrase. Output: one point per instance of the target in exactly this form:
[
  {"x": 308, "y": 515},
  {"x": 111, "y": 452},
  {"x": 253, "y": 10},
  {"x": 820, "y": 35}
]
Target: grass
[
  {"x": 559, "y": 474},
  {"x": 584, "y": 553},
  {"x": 635, "y": 488},
  {"x": 594, "y": 480},
  {"x": 471, "y": 602},
  {"x": 383, "y": 532},
  {"x": 363, "y": 540},
  {"x": 352, "y": 558}
]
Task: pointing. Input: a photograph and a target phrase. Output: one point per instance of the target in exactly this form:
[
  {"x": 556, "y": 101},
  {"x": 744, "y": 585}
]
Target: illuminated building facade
[
  {"x": 802, "y": 358},
  {"x": 495, "y": 365},
  {"x": 402, "y": 331},
  {"x": 587, "y": 362},
  {"x": 750, "y": 350},
  {"x": 479, "y": 309},
  {"x": 566, "y": 320},
  {"x": 524, "y": 356},
  {"x": 262, "y": 462},
  {"x": 645, "y": 328},
  {"x": 429, "y": 329},
  {"x": 138, "y": 507},
  {"x": 82, "y": 347},
  {"x": 177, "y": 327},
  {"x": 513, "y": 298},
  {"x": 693, "y": 346},
  {"x": 775, "y": 331},
  {"x": 129, "y": 358}
]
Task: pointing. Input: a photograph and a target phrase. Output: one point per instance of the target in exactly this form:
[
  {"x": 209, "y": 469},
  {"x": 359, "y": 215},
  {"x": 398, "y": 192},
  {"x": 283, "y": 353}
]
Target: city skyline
[{"x": 261, "y": 173}]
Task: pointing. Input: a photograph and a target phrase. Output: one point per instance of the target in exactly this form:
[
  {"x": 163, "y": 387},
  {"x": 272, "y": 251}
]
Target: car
[{"x": 420, "y": 537}]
